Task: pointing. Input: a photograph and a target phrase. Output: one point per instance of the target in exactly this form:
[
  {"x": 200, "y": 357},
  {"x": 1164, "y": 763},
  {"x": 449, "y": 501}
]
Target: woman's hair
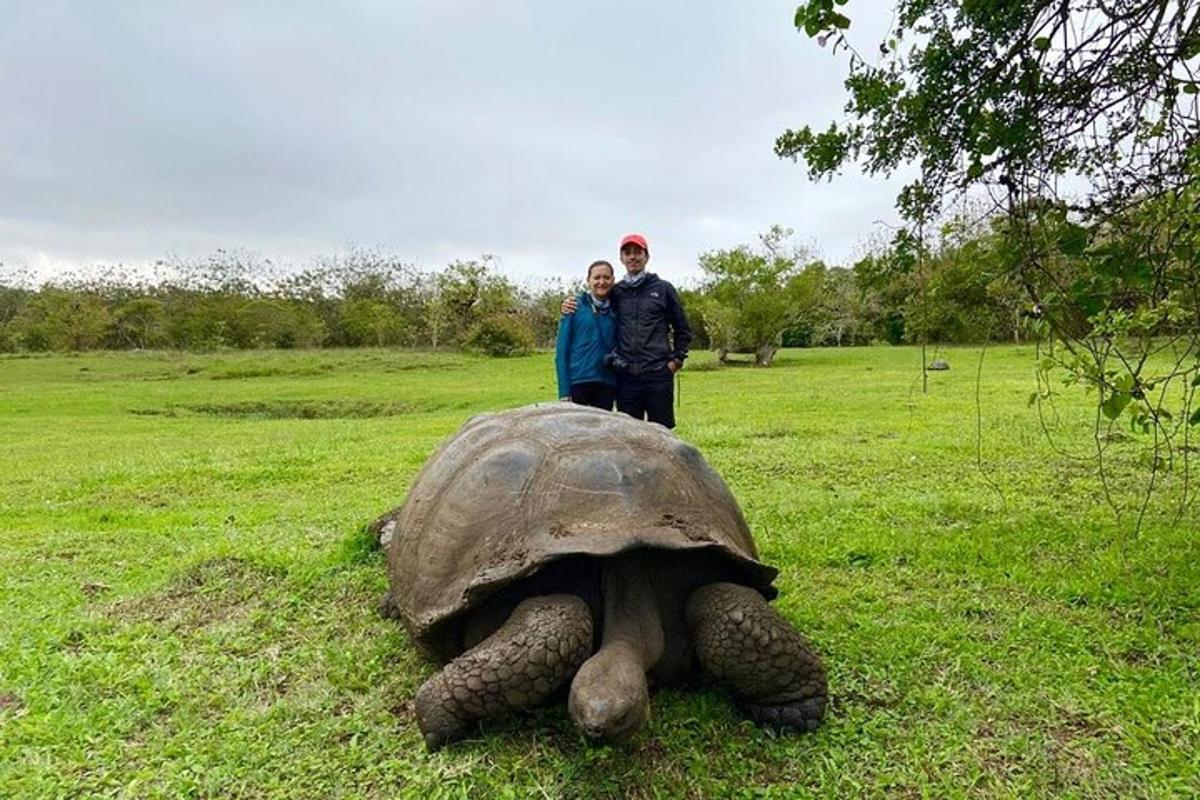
[{"x": 595, "y": 264}]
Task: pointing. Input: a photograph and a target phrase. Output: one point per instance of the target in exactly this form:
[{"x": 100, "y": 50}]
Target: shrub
[{"x": 501, "y": 335}]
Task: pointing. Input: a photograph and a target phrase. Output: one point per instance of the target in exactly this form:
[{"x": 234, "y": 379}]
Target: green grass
[{"x": 187, "y": 596}]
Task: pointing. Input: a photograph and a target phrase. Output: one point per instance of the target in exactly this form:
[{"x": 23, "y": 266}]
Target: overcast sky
[{"x": 537, "y": 131}]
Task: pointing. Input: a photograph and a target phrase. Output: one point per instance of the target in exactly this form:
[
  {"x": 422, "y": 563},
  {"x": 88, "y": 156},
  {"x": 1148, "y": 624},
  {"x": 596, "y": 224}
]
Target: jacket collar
[{"x": 646, "y": 281}]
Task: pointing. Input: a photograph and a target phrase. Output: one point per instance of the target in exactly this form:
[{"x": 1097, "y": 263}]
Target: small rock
[
  {"x": 939, "y": 364},
  {"x": 93, "y": 589},
  {"x": 386, "y": 532}
]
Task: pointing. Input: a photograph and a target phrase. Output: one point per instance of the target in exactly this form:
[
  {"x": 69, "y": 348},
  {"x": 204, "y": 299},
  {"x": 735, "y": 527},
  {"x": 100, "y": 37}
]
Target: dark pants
[
  {"x": 599, "y": 395},
  {"x": 651, "y": 398}
]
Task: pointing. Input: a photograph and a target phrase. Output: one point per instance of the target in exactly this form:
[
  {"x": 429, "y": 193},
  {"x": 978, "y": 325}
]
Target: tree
[
  {"x": 382, "y": 299},
  {"x": 58, "y": 319},
  {"x": 542, "y": 310},
  {"x": 501, "y": 335},
  {"x": 140, "y": 323},
  {"x": 269, "y": 322},
  {"x": 1079, "y": 119},
  {"x": 465, "y": 293},
  {"x": 843, "y": 320},
  {"x": 370, "y": 322},
  {"x": 13, "y": 297},
  {"x": 751, "y": 296}
]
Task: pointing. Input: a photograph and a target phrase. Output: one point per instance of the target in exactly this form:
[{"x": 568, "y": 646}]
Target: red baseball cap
[{"x": 634, "y": 238}]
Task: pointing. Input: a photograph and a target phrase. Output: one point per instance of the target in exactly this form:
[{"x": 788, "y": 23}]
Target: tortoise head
[{"x": 609, "y": 697}]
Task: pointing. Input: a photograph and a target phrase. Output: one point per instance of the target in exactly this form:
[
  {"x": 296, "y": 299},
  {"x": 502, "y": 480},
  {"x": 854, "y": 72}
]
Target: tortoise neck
[{"x": 632, "y": 613}]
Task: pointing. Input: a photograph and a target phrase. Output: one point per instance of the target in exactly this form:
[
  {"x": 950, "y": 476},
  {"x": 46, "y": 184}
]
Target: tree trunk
[{"x": 765, "y": 355}]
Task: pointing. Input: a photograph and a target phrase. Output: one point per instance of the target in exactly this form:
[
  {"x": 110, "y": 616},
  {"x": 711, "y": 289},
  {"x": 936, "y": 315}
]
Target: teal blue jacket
[{"x": 584, "y": 339}]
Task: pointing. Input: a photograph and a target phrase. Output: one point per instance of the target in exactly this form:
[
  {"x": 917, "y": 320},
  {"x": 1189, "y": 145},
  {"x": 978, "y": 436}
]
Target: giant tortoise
[{"x": 558, "y": 543}]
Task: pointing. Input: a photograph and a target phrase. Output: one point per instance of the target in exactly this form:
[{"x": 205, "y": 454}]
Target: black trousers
[
  {"x": 651, "y": 398},
  {"x": 599, "y": 395}
]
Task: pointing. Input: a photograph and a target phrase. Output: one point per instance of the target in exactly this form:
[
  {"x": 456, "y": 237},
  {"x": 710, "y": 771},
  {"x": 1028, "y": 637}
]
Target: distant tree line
[
  {"x": 955, "y": 287},
  {"x": 230, "y": 300}
]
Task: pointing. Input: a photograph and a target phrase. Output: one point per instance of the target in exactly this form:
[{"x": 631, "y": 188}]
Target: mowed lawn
[{"x": 187, "y": 593}]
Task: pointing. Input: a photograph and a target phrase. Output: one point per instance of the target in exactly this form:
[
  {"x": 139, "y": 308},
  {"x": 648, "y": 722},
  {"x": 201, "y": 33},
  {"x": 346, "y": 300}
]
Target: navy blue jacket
[
  {"x": 653, "y": 328},
  {"x": 584, "y": 339}
]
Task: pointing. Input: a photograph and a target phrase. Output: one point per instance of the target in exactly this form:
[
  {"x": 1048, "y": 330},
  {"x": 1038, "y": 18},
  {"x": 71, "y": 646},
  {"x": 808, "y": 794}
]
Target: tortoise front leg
[
  {"x": 740, "y": 640},
  {"x": 535, "y": 652}
]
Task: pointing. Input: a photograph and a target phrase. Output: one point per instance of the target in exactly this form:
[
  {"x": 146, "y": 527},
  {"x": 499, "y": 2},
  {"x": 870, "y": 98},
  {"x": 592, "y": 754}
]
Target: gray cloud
[{"x": 536, "y": 131}]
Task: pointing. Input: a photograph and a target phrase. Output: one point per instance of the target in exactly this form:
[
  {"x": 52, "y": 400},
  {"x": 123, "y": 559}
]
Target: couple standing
[{"x": 623, "y": 341}]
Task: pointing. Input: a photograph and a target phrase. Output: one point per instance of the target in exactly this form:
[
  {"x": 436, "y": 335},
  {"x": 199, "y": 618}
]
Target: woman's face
[{"x": 600, "y": 281}]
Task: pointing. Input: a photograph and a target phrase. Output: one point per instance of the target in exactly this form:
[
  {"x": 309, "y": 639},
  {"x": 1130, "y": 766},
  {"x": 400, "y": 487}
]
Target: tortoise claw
[
  {"x": 802, "y": 716},
  {"x": 387, "y": 607}
]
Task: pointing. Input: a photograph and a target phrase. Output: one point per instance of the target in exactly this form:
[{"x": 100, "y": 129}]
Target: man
[{"x": 652, "y": 337}]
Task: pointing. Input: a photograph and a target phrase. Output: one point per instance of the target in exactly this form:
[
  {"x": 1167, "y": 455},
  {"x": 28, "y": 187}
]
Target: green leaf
[
  {"x": 1115, "y": 404},
  {"x": 1194, "y": 419},
  {"x": 1189, "y": 46},
  {"x": 1190, "y": 88},
  {"x": 1072, "y": 239},
  {"x": 1196, "y": 380},
  {"x": 801, "y": 16},
  {"x": 1041, "y": 43},
  {"x": 840, "y": 21}
]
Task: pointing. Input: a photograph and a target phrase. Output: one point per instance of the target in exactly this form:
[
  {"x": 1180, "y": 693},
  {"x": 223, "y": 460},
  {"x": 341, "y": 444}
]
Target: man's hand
[
  {"x": 569, "y": 305},
  {"x": 674, "y": 366}
]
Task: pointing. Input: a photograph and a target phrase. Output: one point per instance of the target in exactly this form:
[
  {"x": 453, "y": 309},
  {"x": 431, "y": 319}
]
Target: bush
[
  {"x": 501, "y": 335},
  {"x": 60, "y": 320}
]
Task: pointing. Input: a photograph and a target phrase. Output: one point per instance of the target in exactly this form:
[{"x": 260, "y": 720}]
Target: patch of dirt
[
  {"x": 213, "y": 591},
  {"x": 292, "y": 409},
  {"x": 854, "y": 559},
  {"x": 405, "y": 712},
  {"x": 672, "y": 521},
  {"x": 1074, "y": 727},
  {"x": 865, "y": 700},
  {"x": 74, "y": 641},
  {"x": 424, "y": 366},
  {"x": 168, "y": 411},
  {"x": 239, "y": 373},
  {"x": 10, "y": 702},
  {"x": 1075, "y": 762},
  {"x": 773, "y": 433},
  {"x": 683, "y": 526}
]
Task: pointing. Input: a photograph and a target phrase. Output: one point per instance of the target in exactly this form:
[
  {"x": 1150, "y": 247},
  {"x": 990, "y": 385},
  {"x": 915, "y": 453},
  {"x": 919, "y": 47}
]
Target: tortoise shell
[{"x": 513, "y": 492}]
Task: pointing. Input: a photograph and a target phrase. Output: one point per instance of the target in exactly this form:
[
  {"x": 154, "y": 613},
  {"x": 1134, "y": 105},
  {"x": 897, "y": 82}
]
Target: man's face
[{"x": 634, "y": 258}]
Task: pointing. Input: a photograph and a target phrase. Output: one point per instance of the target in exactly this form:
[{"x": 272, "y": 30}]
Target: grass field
[{"x": 187, "y": 594}]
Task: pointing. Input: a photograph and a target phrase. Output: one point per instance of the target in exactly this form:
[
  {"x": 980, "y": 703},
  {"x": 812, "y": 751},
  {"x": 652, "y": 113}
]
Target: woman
[{"x": 584, "y": 339}]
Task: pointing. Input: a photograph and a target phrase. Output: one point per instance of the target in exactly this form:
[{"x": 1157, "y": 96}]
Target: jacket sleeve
[
  {"x": 562, "y": 351},
  {"x": 681, "y": 331}
]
